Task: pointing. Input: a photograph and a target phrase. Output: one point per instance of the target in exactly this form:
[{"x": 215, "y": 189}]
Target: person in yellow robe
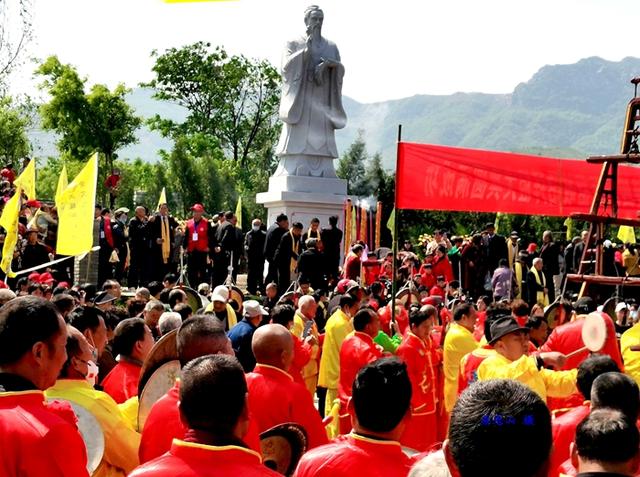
[
  {"x": 630, "y": 348},
  {"x": 120, "y": 439},
  {"x": 458, "y": 342},
  {"x": 338, "y": 327},
  {"x": 511, "y": 343},
  {"x": 304, "y": 326}
]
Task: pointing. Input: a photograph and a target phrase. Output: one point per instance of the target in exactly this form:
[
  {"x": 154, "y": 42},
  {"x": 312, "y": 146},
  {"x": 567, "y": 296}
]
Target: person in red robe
[
  {"x": 37, "y": 438},
  {"x": 606, "y": 392},
  {"x": 274, "y": 397},
  {"x": 213, "y": 407},
  {"x": 356, "y": 352},
  {"x": 352, "y": 263},
  {"x": 197, "y": 336},
  {"x": 132, "y": 341},
  {"x": 283, "y": 315},
  {"x": 441, "y": 264},
  {"x": 567, "y": 338},
  {"x": 422, "y": 359},
  {"x": 380, "y": 408}
]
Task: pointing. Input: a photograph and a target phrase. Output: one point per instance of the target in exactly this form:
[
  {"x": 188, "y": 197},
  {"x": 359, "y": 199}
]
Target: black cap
[
  {"x": 504, "y": 326},
  {"x": 489, "y": 225},
  {"x": 440, "y": 277},
  {"x": 103, "y": 297},
  {"x": 584, "y": 305}
]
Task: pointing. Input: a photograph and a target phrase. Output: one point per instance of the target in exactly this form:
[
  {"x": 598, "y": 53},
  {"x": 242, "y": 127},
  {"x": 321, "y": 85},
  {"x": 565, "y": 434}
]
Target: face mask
[
  {"x": 256, "y": 228},
  {"x": 92, "y": 373},
  {"x": 634, "y": 315},
  {"x": 123, "y": 218}
]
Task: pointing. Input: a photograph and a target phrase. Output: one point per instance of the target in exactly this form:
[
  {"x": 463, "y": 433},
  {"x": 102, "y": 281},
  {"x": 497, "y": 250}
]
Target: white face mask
[
  {"x": 256, "y": 228},
  {"x": 92, "y": 373}
]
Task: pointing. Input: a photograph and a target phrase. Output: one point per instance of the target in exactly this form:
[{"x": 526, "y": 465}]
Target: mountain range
[{"x": 563, "y": 110}]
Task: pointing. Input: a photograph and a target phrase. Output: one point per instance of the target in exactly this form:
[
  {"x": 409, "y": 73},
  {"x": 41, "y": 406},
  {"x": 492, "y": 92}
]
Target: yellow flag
[
  {"x": 627, "y": 234},
  {"x": 76, "y": 208},
  {"x": 162, "y": 199},
  {"x": 9, "y": 221},
  {"x": 390, "y": 223},
  {"x": 239, "y": 213},
  {"x": 63, "y": 181},
  {"x": 569, "y": 225},
  {"x": 496, "y": 224},
  {"x": 27, "y": 180}
]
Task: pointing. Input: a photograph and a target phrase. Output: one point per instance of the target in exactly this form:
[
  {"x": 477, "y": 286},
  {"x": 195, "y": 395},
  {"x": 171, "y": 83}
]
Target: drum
[{"x": 282, "y": 447}]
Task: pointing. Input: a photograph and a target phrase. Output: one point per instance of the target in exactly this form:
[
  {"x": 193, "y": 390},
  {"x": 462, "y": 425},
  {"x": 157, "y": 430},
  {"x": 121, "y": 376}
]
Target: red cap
[
  {"x": 3, "y": 284},
  {"x": 34, "y": 277},
  {"x": 33, "y": 203},
  {"x": 46, "y": 278},
  {"x": 431, "y": 300},
  {"x": 63, "y": 285},
  {"x": 197, "y": 208}
]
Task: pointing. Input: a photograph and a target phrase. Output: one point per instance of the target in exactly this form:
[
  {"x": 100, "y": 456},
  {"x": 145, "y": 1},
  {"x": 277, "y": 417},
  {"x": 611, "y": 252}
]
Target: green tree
[
  {"x": 99, "y": 120},
  {"x": 375, "y": 176},
  {"x": 14, "y": 143},
  {"x": 351, "y": 166},
  {"x": 230, "y": 98}
]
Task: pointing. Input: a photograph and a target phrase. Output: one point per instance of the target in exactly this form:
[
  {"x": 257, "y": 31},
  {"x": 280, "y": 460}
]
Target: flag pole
[{"x": 394, "y": 247}]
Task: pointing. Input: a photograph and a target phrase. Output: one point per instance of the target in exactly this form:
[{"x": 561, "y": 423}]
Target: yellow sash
[
  {"x": 541, "y": 296},
  {"x": 518, "y": 270},
  {"x": 295, "y": 251},
  {"x": 166, "y": 236}
]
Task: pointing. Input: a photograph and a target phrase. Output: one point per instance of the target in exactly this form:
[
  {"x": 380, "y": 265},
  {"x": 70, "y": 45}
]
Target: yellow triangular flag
[
  {"x": 9, "y": 221},
  {"x": 569, "y": 225},
  {"x": 76, "y": 207},
  {"x": 63, "y": 182},
  {"x": 627, "y": 234},
  {"x": 162, "y": 199},
  {"x": 239, "y": 213},
  {"x": 27, "y": 180},
  {"x": 496, "y": 224},
  {"x": 390, "y": 222}
]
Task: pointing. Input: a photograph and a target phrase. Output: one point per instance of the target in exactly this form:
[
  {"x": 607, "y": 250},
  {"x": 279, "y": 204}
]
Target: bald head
[{"x": 273, "y": 345}]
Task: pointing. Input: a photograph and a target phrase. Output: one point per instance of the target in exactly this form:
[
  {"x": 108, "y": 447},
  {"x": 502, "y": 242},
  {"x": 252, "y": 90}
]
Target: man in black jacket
[
  {"x": 496, "y": 247},
  {"x": 311, "y": 265},
  {"x": 139, "y": 248},
  {"x": 287, "y": 255},
  {"x": 225, "y": 244},
  {"x": 161, "y": 251},
  {"x": 550, "y": 253},
  {"x": 274, "y": 234},
  {"x": 331, "y": 240},
  {"x": 254, "y": 246}
]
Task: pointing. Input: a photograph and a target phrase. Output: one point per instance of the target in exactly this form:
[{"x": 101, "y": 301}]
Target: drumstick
[{"x": 580, "y": 350}]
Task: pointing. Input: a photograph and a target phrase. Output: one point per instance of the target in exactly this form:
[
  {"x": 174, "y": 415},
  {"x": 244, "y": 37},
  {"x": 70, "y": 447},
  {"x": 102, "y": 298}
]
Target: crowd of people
[
  {"x": 437, "y": 392},
  {"x": 462, "y": 375}
]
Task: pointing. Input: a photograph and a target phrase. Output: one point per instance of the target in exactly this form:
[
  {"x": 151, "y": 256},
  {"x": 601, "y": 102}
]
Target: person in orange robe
[
  {"x": 274, "y": 397},
  {"x": 37, "y": 439},
  {"x": 372, "y": 448},
  {"x": 132, "y": 341},
  {"x": 356, "y": 352},
  {"x": 197, "y": 336},
  {"x": 422, "y": 359},
  {"x": 213, "y": 407}
]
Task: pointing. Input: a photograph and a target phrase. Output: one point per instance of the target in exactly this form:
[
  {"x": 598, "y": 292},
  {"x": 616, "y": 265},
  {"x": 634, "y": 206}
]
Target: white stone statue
[{"x": 311, "y": 104}]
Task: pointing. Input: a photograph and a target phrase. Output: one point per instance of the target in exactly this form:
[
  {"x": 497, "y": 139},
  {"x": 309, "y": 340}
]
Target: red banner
[{"x": 450, "y": 178}]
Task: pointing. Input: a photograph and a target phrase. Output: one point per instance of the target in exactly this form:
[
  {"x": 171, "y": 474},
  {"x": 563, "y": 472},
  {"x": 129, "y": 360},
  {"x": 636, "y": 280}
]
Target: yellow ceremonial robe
[
  {"x": 310, "y": 370},
  {"x": 541, "y": 280},
  {"x": 544, "y": 382},
  {"x": 631, "y": 359},
  {"x": 457, "y": 343},
  {"x": 121, "y": 442}
]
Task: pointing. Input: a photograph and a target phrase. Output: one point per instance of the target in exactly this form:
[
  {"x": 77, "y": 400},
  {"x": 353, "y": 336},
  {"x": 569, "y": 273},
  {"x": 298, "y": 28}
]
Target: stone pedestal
[{"x": 302, "y": 198}]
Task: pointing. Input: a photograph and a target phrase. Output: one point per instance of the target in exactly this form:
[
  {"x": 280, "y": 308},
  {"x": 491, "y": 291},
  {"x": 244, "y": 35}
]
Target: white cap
[
  {"x": 621, "y": 306},
  {"x": 252, "y": 309},
  {"x": 220, "y": 293}
]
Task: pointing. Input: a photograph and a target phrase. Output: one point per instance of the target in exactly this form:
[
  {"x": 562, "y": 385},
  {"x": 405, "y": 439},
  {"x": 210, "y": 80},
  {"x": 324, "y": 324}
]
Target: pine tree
[{"x": 351, "y": 166}]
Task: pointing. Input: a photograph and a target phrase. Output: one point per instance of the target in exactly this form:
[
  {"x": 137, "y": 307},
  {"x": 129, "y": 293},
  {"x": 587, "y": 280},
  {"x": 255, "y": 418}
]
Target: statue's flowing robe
[{"x": 311, "y": 112}]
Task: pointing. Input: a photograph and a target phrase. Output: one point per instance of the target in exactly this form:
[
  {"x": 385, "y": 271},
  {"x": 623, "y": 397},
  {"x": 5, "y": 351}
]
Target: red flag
[{"x": 450, "y": 178}]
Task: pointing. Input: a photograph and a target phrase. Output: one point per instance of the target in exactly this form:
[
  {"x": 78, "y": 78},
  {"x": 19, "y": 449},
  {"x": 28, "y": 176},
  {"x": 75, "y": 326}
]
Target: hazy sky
[{"x": 390, "y": 49}]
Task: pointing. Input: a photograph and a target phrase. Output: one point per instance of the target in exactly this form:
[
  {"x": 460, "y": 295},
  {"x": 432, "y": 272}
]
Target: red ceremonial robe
[
  {"x": 567, "y": 338},
  {"x": 301, "y": 357},
  {"x": 190, "y": 459},
  {"x": 163, "y": 425},
  {"x": 122, "y": 381},
  {"x": 274, "y": 398},
  {"x": 422, "y": 360},
  {"x": 39, "y": 439},
  {"x": 563, "y": 430},
  {"x": 353, "y": 455},
  {"x": 356, "y": 352}
]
